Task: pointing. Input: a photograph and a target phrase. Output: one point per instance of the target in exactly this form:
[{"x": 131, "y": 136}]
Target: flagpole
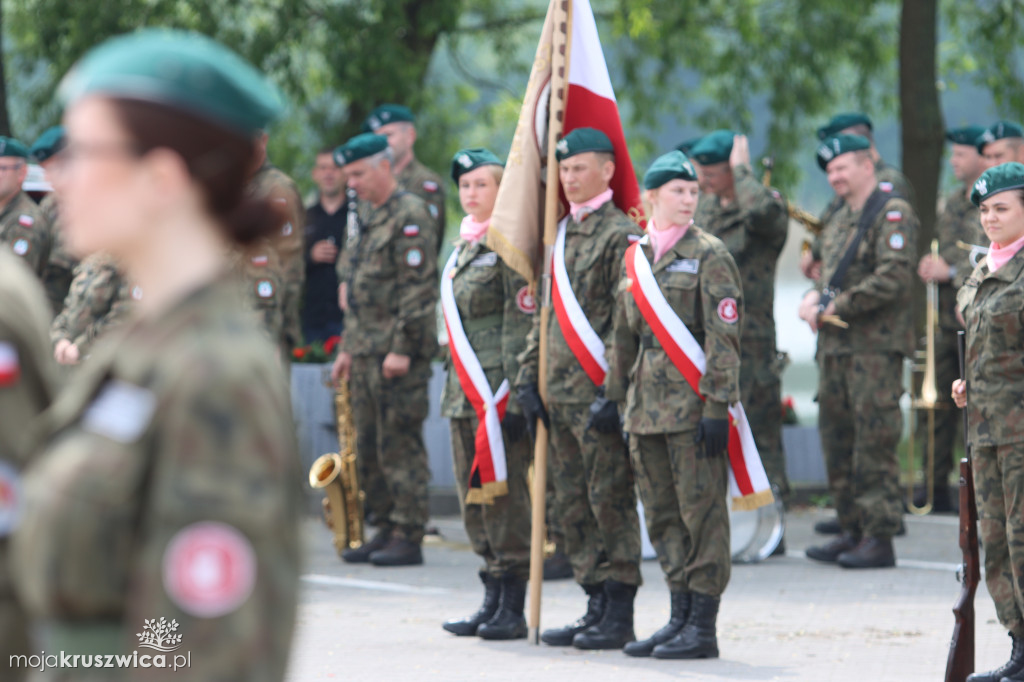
[{"x": 560, "y": 44}]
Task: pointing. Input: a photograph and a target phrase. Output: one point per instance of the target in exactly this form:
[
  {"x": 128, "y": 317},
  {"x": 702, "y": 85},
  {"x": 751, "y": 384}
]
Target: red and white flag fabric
[
  {"x": 488, "y": 476},
  {"x": 583, "y": 100},
  {"x": 748, "y": 483}
]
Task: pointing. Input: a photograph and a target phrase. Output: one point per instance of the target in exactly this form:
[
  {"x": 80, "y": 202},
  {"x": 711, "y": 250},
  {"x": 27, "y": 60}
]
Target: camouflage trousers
[
  {"x": 499, "y": 532},
  {"x": 686, "y": 509},
  {"x": 999, "y": 494},
  {"x": 388, "y": 415},
  {"x": 595, "y": 498},
  {"x": 860, "y": 422},
  {"x": 761, "y": 393},
  {"x": 948, "y": 419}
]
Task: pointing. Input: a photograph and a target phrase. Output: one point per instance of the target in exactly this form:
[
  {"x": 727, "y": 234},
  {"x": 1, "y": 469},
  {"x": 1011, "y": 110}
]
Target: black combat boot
[
  {"x": 615, "y": 629},
  {"x": 870, "y": 552},
  {"x": 595, "y": 611},
  {"x": 508, "y": 622},
  {"x": 361, "y": 554},
  {"x": 698, "y": 638},
  {"x": 400, "y": 551},
  {"x": 1010, "y": 670},
  {"x": 467, "y": 627},
  {"x": 830, "y": 552},
  {"x": 557, "y": 566},
  {"x": 676, "y": 621}
]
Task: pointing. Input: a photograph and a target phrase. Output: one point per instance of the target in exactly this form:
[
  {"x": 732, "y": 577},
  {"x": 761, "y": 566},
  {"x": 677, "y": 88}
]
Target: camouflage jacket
[
  {"x": 391, "y": 277},
  {"x": 496, "y": 308},
  {"x": 753, "y": 228},
  {"x": 99, "y": 300},
  {"x": 875, "y": 297},
  {"x": 593, "y": 259},
  {"x": 23, "y": 229},
  {"x": 992, "y": 304},
  {"x": 959, "y": 221},
  {"x": 60, "y": 268},
  {"x": 696, "y": 276},
  {"x": 417, "y": 179},
  {"x": 261, "y": 277},
  {"x": 271, "y": 183},
  {"x": 172, "y": 454}
]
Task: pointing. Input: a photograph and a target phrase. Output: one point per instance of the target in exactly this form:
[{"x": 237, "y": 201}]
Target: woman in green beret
[
  {"x": 488, "y": 310},
  {"x": 674, "y": 363},
  {"x": 992, "y": 306},
  {"x": 162, "y": 511}
]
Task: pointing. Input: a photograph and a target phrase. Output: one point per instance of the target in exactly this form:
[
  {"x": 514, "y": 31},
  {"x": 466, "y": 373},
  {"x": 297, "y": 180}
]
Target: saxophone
[
  {"x": 808, "y": 220},
  {"x": 337, "y": 474}
]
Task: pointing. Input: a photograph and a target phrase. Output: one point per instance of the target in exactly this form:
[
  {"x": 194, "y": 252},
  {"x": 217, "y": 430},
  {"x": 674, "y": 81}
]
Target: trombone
[{"x": 927, "y": 400}]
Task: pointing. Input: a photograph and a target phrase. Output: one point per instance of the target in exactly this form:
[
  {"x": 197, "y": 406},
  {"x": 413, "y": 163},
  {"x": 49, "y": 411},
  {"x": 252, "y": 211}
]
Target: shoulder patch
[
  {"x": 120, "y": 412},
  {"x": 26, "y": 220},
  {"x": 10, "y": 498},
  {"x": 894, "y": 216},
  {"x": 209, "y": 569},
  {"x": 413, "y": 258},
  {"x": 775, "y": 193},
  {"x": 260, "y": 261},
  {"x": 430, "y": 186},
  {"x": 885, "y": 186},
  {"x": 20, "y": 247},
  {"x": 287, "y": 229},
  {"x": 265, "y": 288},
  {"x": 525, "y": 301},
  {"x": 10, "y": 364},
  {"x": 433, "y": 211},
  {"x": 411, "y": 230},
  {"x": 897, "y": 241},
  {"x": 137, "y": 292},
  {"x": 728, "y": 310}
]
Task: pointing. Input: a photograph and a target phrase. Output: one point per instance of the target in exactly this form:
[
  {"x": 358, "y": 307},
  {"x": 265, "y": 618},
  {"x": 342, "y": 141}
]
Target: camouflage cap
[
  {"x": 841, "y": 122},
  {"x": 840, "y": 144},
  {"x": 466, "y": 160},
  {"x": 1005, "y": 176},
  {"x": 999, "y": 130},
  {"x": 11, "y": 147},
  {"x": 686, "y": 145},
  {"x": 966, "y": 135},
  {"x": 713, "y": 148},
  {"x": 181, "y": 70},
  {"x": 583, "y": 140},
  {"x": 669, "y": 167},
  {"x": 360, "y": 147},
  {"x": 50, "y": 142},
  {"x": 385, "y": 114}
]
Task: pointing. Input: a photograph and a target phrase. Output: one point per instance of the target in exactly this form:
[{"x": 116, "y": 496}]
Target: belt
[
  {"x": 479, "y": 324},
  {"x": 86, "y": 637}
]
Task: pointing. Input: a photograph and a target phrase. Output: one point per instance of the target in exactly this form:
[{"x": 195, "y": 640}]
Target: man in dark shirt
[{"x": 325, "y": 238}]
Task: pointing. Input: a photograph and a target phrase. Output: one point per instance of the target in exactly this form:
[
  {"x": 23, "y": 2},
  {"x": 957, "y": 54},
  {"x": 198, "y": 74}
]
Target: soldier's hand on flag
[{"x": 533, "y": 407}]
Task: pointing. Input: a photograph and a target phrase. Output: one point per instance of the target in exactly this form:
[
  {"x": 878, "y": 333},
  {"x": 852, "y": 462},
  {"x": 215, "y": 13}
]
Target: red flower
[
  {"x": 299, "y": 353},
  {"x": 331, "y": 343}
]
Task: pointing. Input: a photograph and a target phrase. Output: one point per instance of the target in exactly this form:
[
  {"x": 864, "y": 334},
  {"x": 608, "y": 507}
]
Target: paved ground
[{"x": 785, "y": 619}]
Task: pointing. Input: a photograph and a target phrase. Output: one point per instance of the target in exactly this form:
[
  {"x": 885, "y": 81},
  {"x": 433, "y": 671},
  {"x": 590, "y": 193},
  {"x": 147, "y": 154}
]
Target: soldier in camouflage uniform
[
  {"x": 398, "y": 124},
  {"x": 752, "y": 221},
  {"x": 991, "y": 302},
  {"x": 677, "y": 441},
  {"x": 958, "y": 222},
  {"x": 60, "y": 269},
  {"x": 861, "y": 367},
  {"x": 270, "y": 182},
  {"x": 588, "y": 462},
  {"x": 262, "y": 278},
  {"x": 494, "y": 306},
  {"x": 26, "y": 389},
  {"x": 389, "y": 292},
  {"x": 165, "y": 484},
  {"x": 22, "y": 225},
  {"x": 100, "y": 299},
  {"x": 1002, "y": 142}
]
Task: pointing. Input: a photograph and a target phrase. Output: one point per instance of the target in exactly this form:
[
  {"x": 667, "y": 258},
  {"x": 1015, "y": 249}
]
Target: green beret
[
  {"x": 385, "y": 114},
  {"x": 840, "y": 144},
  {"x": 11, "y": 147},
  {"x": 583, "y": 140},
  {"x": 180, "y": 70},
  {"x": 997, "y": 131},
  {"x": 713, "y": 148},
  {"x": 466, "y": 160},
  {"x": 841, "y": 122},
  {"x": 966, "y": 135},
  {"x": 360, "y": 147},
  {"x": 49, "y": 143},
  {"x": 669, "y": 167},
  {"x": 998, "y": 179},
  {"x": 687, "y": 145}
]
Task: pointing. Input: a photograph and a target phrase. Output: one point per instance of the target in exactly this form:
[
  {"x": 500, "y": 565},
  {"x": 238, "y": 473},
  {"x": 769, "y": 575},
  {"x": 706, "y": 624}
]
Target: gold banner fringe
[
  {"x": 753, "y": 501},
  {"x": 487, "y": 493}
]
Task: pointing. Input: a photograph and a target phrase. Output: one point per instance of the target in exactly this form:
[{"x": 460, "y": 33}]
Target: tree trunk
[{"x": 5, "y": 119}]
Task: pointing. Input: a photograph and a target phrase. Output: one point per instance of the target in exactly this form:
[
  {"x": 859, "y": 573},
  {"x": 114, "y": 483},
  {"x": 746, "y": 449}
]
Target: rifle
[{"x": 960, "y": 663}]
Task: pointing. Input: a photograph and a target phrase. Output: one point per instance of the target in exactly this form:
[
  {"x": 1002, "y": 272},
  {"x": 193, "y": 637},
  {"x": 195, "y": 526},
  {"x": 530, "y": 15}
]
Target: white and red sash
[
  {"x": 748, "y": 483},
  {"x": 583, "y": 341},
  {"x": 488, "y": 476}
]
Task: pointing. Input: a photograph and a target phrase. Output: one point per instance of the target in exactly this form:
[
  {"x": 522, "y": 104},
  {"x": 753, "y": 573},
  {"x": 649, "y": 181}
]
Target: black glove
[
  {"x": 604, "y": 415},
  {"x": 714, "y": 433},
  {"x": 515, "y": 427},
  {"x": 533, "y": 407}
]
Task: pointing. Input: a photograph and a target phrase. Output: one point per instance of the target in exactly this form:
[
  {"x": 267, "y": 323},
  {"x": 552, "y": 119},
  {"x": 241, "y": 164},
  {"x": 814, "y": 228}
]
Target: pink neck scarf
[
  {"x": 664, "y": 240},
  {"x": 581, "y": 211},
  {"x": 471, "y": 230},
  {"x": 1000, "y": 256}
]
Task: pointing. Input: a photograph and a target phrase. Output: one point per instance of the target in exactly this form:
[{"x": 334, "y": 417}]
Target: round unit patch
[
  {"x": 20, "y": 247},
  {"x": 264, "y": 288},
  {"x": 209, "y": 569},
  {"x": 430, "y": 186},
  {"x": 413, "y": 258},
  {"x": 287, "y": 229},
  {"x": 728, "y": 311},
  {"x": 525, "y": 301},
  {"x": 896, "y": 241},
  {"x": 10, "y": 498},
  {"x": 137, "y": 293}
]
